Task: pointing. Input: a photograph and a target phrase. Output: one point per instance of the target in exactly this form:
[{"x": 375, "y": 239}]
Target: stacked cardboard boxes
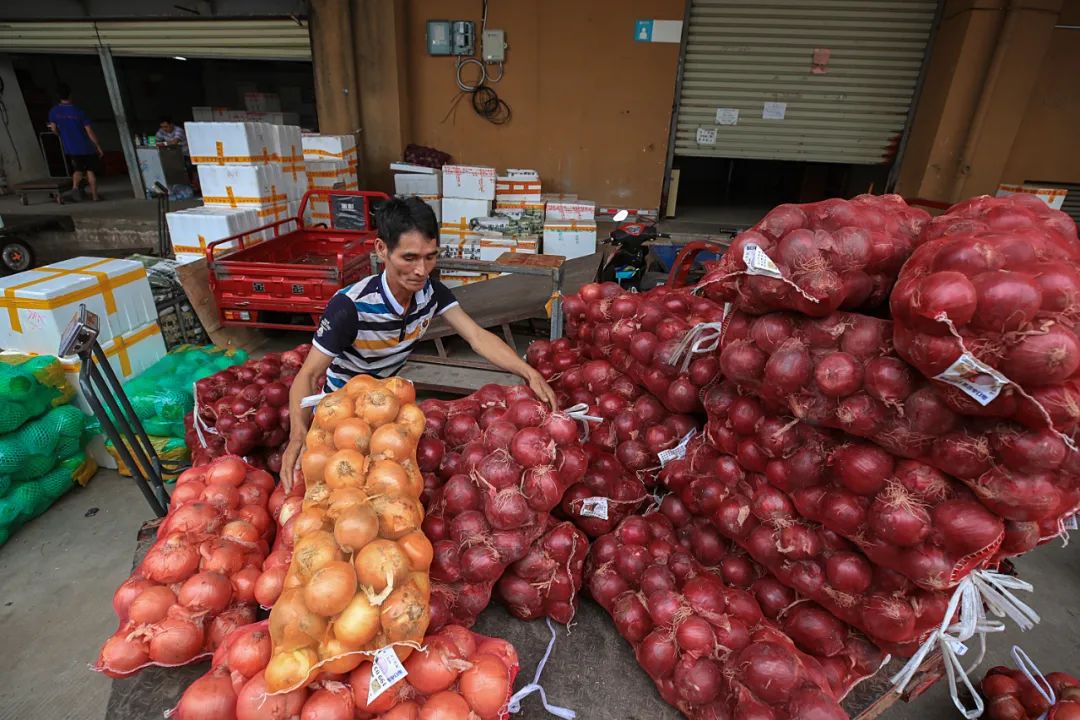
[
  {"x": 569, "y": 226},
  {"x": 331, "y": 162},
  {"x": 423, "y": 182}
]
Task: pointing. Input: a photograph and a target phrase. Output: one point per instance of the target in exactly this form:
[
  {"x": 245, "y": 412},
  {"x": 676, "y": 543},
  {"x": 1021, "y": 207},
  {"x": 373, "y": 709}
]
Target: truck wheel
[{"x": 16, "y": 256}]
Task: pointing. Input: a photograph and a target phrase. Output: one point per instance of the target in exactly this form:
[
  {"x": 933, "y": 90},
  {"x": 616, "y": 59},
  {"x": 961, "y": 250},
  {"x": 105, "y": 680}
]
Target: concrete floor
[{"x": 58, "y": 574}]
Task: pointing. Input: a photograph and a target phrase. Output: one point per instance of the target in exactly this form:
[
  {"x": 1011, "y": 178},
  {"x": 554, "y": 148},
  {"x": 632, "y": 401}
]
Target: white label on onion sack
[
  {"x": 594, "y": 507},
  {"x": 980, "y": 381},
  {"x": 1070, "y": 523},
  {"x": 386, "y": 670},
  {"x": 758, "y": 263},
  {"x": 678, "y": 452}
]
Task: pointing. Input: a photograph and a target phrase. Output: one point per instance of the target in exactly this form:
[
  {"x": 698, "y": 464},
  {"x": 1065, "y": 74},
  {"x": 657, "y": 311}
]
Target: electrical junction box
[
  {"x": 462, "y": 37},
  {"x": 493, "y": 46},
  {"x": 438, "y": 37}
]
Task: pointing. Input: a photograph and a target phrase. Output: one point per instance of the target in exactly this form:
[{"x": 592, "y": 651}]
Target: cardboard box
[
  {"x": 245, "y": 185},
  {"x": 414, "y": 169},
  {"x": 229, "y": 143},
  {"x": 191, "y": 230},
  {"x": 518, "y": 186},
  {"x": 574, "y": 210},
  {"x": 468, "y": 182},
  {"x": 459, "y": 211},
  {"x": 329, "y": 147},
  {"x": 571, "y": 239},
  {"x": 38, "y": 304},
  {"x": 262, "y": 102},
  {"x": 417, "y": 184}
]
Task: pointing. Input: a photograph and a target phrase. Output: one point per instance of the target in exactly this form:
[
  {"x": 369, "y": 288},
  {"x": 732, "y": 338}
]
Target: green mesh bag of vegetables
[
  {"x": 36, "y": 447},
  {"x": 26, "y": 499},
  {"x": 162, "y": 394},
  {"x": 30, "y": 385}
]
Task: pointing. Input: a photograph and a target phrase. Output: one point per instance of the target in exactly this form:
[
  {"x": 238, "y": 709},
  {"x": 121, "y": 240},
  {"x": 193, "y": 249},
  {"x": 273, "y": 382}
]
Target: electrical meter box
[
  {"x": 438, "y": 37},
  {"x": 493, "y": 46},
  {"x": 462, "y": 37}
]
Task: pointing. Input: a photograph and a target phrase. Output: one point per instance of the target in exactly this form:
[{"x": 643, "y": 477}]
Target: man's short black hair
[
  {"x": 165, "y": 119},
  {"x": 400, "y": 215},
  {"x": 64, "y": 91}
]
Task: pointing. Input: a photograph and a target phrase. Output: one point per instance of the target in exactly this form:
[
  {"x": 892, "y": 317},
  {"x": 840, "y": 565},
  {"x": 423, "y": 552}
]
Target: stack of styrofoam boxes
[
  {"x": 244, "y": 168},
  {"x": 518, "y": 200},
  {"x": 332, "y": 161},
  {"x": 41, "y": 302},
  {"x": 423, "y": 182},
  {"x": 468, "y": 192},
  {"x": 569, "y": 226}
]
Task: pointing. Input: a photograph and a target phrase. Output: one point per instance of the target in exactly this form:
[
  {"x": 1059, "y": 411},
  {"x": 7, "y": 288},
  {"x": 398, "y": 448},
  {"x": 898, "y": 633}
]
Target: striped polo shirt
[{"x": 367, "y": 331}]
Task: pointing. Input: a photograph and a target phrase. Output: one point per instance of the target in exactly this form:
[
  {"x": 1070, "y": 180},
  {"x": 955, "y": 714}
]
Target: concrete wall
[
  {"x": 1000, "y": 100},
  {"x": 20, "y": 154}
]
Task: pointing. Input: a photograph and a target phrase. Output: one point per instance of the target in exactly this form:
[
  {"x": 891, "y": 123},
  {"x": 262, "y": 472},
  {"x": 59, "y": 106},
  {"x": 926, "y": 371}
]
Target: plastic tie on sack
[
  {"x": 312, "y": 400},
  {"x": 702, "y": 338},
  {"x": 514, "y": 704},
  {"x": 1023, "y": 662},
  {"x": 580, "y": 412},
  {"x": 981, "y": 586}
]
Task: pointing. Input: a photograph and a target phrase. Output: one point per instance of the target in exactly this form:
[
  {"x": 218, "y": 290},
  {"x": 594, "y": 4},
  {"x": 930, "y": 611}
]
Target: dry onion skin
[{"x": 358, "y": 579}]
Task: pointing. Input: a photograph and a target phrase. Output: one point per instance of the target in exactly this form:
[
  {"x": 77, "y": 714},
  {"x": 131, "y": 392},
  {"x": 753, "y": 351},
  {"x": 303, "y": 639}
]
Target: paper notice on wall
[
  {"x": 1054, "y": 197},
  {"x": 706, "y": 136},
  {"x": 727, "y": 116},
  {"x": 774, "y": 111}
]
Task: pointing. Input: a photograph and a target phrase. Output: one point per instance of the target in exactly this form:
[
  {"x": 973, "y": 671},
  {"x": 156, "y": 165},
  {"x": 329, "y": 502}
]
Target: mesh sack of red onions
[
  {"x": 985, "y": 214},
  {"x": 817, "y": 258},
  {"x": 707, "y": 645},
  {"x": 197, "y": 581},
  {"x": 903, "y": 514},
  {"x": 546, "y": 582},
  {"x": 284, "y": 508},
  {"x": 245, "y": 409},
  {"x": 1024, "y": 693},
  {"x": 495, "y": 463},
  {"x": 457, "y": 672},
  {"x": 644, "y": 335},
  {"x": 814, "y": 561},
  {"x": 993, "y": 315},
  {"x": 840, "y": 372}
]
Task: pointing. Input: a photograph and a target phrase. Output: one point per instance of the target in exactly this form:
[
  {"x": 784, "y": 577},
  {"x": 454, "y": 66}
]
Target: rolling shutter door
[
  {"x": 743, "y": 53},
  {"x": 275, "y": 39}
]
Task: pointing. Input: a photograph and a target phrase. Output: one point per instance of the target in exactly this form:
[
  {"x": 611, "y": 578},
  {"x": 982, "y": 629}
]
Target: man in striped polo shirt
[{"x": 371, "y": 326}]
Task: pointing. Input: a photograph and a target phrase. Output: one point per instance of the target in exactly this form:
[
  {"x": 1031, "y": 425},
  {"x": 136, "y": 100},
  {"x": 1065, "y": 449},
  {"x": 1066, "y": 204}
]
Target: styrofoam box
[
  {"x": 288, "y": 145},
  {"x": 39, "y": 303},
  {"x": 244, "y": 185},
  {"x": 435, "y": 203},
  {"x": 417, "y": 184},
  {"x": 203, "y": 113},
  {"x": 230, "y": 143},
  {"x": 191, "y": 230},
  {"x": 571, "y": 239},
  {"x": 141, "y": 348},
  {"x": 262, "y": 102},
  {"x": 463, "y": 248},
  {"x": 272, "y": 212},
  {"x": 518, "y": 186},
  {"x": 456, "y": 211},
  {"x": 571, "y": 210},
  {"x": 492, "y": 248},
  {"x": 331, "y": 174},
  {"x": 272, "y": 118},
  {"x": 469, "y": 182},
  {"x": 328, "y": 147}
]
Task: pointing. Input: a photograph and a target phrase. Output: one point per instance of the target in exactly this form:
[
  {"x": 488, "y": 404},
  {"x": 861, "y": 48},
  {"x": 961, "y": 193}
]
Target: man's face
[
  {"x": 411, "y": 262},
  {"x": 167, "y": 126}
]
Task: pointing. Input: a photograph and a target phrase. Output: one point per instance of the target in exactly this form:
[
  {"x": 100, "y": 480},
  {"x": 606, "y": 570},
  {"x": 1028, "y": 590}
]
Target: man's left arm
[{"x": 498, "y": 353}]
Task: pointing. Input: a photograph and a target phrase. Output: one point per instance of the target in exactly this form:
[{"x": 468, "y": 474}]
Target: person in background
[
  {"x": 79, "y": 141},
  {"x": 170, "y": 133},
  {"x": 371, "y": 326}
]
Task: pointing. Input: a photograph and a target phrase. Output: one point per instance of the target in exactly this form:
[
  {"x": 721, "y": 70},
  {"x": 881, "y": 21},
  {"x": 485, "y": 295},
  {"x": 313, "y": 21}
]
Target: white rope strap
[{"x": 514, "y": 706}]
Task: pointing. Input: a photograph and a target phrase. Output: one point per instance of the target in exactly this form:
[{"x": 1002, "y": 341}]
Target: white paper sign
[
  {"x": 678, "y": 452},
  {"x": 727, "y": 116},
  {"x": 594, "y": 507},
  {"x": 386, "y": 671},
  {"x": 758, "y": 263},
  {"x": 977, "y": 379},
  {"x": 706, "y": 136},
  {"x": 774, "y": 111}
]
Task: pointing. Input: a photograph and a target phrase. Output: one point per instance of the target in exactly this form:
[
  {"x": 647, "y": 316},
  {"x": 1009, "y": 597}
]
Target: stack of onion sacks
[
  {"x": 458, "y": 674},
  {"x": 841, "y": 372},
  {"x": 358, "y": 579},
  {"x": 903, "y": 514},
  {"x": 284, "y": 507},
  {"x": 819, "y": 257},
  {"x": 546, "y": 582},
  {"x": 197, "y": 581},
  {"x": 707, "y": 645}
]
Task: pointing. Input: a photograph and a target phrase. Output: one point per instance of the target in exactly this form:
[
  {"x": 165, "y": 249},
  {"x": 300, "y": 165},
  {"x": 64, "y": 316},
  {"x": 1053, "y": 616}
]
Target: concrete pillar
[
  {"x": 381, "y": 41},
  {"x": 337, "y": 99}
]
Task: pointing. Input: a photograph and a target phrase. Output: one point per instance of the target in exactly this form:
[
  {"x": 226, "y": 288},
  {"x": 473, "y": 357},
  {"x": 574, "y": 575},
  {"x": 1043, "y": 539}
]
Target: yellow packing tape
[
  {"x": 119, "y": 346},
  {"x": 232, "y": 200},
  {"x": 332, "y": 155},
  {"x": 222, "y": 159},
  {"x": 105, "y": 286}
]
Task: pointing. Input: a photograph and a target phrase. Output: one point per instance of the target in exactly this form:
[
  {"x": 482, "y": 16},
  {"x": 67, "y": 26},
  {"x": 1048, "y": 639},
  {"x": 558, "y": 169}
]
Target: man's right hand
[{"x": 290, "y": 461}]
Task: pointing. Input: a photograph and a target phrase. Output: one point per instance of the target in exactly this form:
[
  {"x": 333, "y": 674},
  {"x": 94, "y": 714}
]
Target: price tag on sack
[
  {"x": 758, "y": 263},
  {"x": 678, "y": 452},
  {"x": 1070, "y": 523},
  {"x": 594, "y": 507},
  {"x": 386, "y": 671},
  {"x": 976, "y": 379},
  {"x": 957, "y": 647}
]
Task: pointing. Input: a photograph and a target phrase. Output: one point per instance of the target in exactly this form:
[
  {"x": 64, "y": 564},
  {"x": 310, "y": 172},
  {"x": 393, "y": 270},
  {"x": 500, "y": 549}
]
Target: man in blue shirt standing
[{"x": 80, "y": 143}]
